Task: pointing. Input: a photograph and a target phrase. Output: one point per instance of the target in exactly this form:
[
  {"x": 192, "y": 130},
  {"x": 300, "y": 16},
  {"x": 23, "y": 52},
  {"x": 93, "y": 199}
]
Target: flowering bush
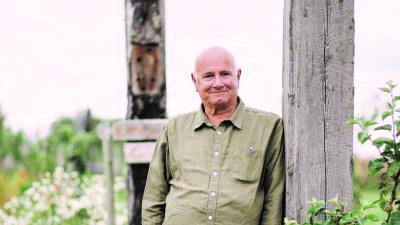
[{"x": 65, "y": 198}]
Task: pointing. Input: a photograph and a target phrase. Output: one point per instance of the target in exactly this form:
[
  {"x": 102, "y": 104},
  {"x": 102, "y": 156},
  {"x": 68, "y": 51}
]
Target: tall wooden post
[
  {"x": 318, "y": 62},
  {"x": 146, "y": 82}
]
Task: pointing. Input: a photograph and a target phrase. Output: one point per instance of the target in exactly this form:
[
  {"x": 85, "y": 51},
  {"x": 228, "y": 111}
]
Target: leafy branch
[
  {"x": 388, "y": 162},
  {"x": 386, "y": 166}
]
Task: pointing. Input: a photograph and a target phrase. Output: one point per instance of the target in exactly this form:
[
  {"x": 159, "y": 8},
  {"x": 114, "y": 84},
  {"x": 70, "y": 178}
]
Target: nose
[{"x": 218, "y": 82}]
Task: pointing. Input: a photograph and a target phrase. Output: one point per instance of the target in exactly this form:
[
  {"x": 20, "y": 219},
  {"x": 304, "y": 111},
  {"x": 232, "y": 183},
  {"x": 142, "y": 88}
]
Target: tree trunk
[{"x": 318, "y": 94}]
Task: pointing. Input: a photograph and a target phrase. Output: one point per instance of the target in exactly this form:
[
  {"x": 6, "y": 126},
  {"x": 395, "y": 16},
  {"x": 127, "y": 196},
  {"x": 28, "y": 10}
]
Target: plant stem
[
  {"x": 393, "y": 124},
  {"x": 393, "y": 195},
  {"x": 396, "y": 179}
]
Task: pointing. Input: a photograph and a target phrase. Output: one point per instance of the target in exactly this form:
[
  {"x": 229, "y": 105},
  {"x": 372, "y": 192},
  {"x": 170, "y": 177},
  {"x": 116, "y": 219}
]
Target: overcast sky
[{"x": 58, "y": 57}]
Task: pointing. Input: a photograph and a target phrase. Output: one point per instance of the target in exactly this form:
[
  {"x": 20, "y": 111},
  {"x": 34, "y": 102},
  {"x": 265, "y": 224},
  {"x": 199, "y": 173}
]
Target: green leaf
[
  {"x": 390, "y": 106},
  {"x": 382, "y": 203},
  {"x": 367, "y": 123},
  {"x": 290, "y": 222},
  {"x": 391, "y": 84},
  {"x": 352, "y": 121},
  {"x": 384, "y": 127},
  {"x": 355, "y": 213},
  {"x": 372, "y": 217},
  {"x": 387, "y": 152},
  {"x": 396, "y": 98},
  {"x": 315, "y": 206},
  {"x": 395, "y": 219},
  {"x": 346, "y": 219},
  {"x": 385, "y": 89},
  {"x": 394, "y": 169},
  {"x": 386, "y": 114},
  {"x": 381, "y": 141},
  {"x": 398, "y": 133},
  {"x": 375, "y": 166},
  {"x": 362, "y": 137},
  {"x": 334, "y": 200},
  {"x": 367, "y": 205},
  {"x": 397, "y": 123}
]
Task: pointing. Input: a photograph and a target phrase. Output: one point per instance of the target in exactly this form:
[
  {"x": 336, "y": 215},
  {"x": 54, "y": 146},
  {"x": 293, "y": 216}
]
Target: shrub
[{"x": 65, "y": 198}]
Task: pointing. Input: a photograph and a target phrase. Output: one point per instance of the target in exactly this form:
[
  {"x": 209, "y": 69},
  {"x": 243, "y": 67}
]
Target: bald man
[{"x": 222, "y": 164}]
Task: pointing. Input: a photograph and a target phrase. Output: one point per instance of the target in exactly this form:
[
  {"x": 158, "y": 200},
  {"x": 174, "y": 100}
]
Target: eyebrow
[
  {"x": 207, "y": 73},
  {"x": 225, "y": 71}
]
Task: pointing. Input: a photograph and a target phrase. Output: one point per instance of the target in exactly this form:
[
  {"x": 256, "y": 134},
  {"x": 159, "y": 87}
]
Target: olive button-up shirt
[{"x": 231, "y": 174}]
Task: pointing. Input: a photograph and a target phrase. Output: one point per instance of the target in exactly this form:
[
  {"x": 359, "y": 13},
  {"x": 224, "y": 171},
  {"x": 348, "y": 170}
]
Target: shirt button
[
  {"x": 219, "y": 132},
  {"x": 213, "y": 194},
  {"x": 216, "y": 153},
  {"x": 210, "y": 217},
  {"x": 215, "y": 173}
]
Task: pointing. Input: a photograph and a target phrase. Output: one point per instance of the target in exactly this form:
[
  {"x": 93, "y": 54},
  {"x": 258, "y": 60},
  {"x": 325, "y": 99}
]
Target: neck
[{"x": 218, "y": 114}]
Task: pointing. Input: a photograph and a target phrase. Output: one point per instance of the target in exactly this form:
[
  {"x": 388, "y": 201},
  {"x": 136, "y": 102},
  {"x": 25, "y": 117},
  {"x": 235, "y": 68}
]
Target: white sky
[{"x": 58, "y": 57}]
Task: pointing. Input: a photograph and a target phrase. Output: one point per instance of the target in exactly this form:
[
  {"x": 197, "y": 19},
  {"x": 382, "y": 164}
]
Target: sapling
[{"x": 384, "y": 134}]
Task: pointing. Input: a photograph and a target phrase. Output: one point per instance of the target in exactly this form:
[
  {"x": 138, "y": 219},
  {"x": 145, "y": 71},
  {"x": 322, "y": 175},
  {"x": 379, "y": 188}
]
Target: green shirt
[{"x": 231, "y": 174}]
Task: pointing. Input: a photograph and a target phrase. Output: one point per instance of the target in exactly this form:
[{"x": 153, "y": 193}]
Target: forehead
[{"x": 215, "y": 60}]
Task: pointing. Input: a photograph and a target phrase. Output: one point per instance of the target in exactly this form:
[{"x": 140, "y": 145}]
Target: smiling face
[{"x": 216, "y": 78}]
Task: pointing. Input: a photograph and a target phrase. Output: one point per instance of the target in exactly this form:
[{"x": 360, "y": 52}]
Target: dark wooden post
[
  {"x": 146, "y": 82},
  {"x": 318, "y": 62}
]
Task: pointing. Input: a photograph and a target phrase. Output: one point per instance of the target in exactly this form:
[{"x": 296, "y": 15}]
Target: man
[{"x": 223, "y": 164}]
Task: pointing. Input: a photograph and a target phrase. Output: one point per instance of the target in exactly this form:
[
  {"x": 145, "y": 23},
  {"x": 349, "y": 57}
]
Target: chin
[{"x": 220, "y": 102}]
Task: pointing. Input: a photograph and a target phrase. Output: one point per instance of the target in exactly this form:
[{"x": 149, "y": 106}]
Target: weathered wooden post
[
  {"x": 146, "y": 83},
  {"x": 318, "y": 62},
  {"x": 104, "y": 132}
]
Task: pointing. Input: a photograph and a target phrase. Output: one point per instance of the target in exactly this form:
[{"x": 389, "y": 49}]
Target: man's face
[{"x": 217, "y": 80}]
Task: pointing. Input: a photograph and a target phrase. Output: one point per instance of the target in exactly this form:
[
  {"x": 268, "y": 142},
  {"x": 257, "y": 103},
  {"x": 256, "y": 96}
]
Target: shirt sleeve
[
  {"x": 157, "y": 183},
  {"x": 275, "y": 178}
]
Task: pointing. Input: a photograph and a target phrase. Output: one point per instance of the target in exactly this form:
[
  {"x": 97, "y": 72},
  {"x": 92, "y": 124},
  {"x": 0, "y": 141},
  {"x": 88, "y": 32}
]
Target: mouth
[{"x": 218, "y": 92}]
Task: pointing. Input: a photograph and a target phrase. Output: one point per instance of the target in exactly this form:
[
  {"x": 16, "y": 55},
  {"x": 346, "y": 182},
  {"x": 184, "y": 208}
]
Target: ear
[
  {"x": 239, "y": 72},
  {"x": 194, "y": 80}
]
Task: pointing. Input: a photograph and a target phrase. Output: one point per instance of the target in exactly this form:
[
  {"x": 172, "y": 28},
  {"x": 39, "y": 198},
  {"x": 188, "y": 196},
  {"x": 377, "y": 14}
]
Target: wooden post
[
  {"x": 146, "y": 82},
  {"x": 145, "y": 58},
  {"x": 104, "y": 132},
  {"x": 318, "y": 64}
]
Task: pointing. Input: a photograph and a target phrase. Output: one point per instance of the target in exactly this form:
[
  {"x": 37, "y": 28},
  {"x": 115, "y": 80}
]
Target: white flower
[
  {"x": 66, "y": 195},
  {"x": 27, "y": 203},
  {"x": 41, "y": 207},
  {"x": 36, "y": 196}
]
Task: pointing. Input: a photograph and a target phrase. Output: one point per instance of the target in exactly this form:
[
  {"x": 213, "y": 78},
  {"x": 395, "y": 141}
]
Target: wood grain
[{"x": 318, "y": 64}]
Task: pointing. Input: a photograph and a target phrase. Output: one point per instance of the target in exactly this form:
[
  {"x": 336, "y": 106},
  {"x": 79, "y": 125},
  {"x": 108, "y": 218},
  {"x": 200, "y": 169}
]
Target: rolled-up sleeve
[
  {"x": 275, "y": 178},
  {"x": 157, "y": 184}
]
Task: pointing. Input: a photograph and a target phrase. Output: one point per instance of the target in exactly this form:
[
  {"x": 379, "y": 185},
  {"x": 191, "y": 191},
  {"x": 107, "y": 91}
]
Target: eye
[
  {"x": 225, "y": 73},
  {"x": 208, "y": 76}
]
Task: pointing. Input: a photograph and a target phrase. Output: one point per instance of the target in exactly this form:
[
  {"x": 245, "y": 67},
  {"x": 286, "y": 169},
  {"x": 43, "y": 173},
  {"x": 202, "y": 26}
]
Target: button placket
[{"x": 214, "y": 182}]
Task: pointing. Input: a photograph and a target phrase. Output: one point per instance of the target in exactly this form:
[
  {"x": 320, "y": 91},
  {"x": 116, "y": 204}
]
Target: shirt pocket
[{"x": 246, "y": 165}]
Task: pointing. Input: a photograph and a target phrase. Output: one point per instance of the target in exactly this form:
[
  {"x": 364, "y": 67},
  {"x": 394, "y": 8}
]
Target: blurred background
[{"x": 63, "y": 70}]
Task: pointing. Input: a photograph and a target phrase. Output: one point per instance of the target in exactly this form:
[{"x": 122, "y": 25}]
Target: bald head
[
  {"x": 213, "y": 55},
  {"x": 216, "y": 80}
]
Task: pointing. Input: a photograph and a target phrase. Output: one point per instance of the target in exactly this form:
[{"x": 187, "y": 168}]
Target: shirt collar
[{"x": 236, "y": 119}]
